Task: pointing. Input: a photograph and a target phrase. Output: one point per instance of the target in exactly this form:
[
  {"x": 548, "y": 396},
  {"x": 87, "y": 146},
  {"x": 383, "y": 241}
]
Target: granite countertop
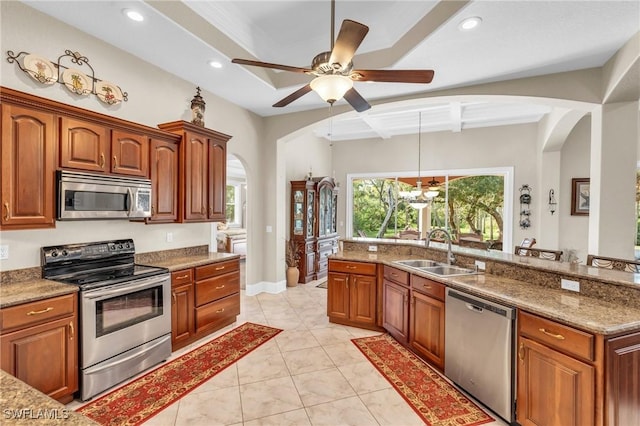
[
  {"x": 587, "y": 313},
  {"x": 21, "y": 404},
  {"x": 190, "y": 261},
  {"x": 17, "y": 292}
]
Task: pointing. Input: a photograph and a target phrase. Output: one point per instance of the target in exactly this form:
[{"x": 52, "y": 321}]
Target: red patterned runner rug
[
  {"x": 436, "y": 401},
  {"x": 145, "y": 397}
]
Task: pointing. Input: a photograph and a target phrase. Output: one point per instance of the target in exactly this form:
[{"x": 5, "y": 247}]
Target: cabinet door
[
  {"x": 553, "y": 388},
  {"x": 84, "y": 146},
  {"x": 44, "y": 356},
  {"x": 196, "y": 177},
  {"x": 396, "y": 311},
  {"x": 338, "y": 295},
  {"x": 182, "y": 314},
  {"x": 623, "y": 380},
  {"x": 28, "y": 159},
  {"x": 217, "y": 181},
  {"x": 129, "y": 154},
  {"x": 164, "y": 181},
  {"x": 426, "y": 328},
  {"x": 362, "y": 305}
]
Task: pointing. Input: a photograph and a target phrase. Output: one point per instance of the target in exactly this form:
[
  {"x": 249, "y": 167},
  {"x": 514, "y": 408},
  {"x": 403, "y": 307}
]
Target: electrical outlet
[
  {"x": 570, "y": 285},
  {"x": 373, "y": 248},
  {"x": 169, "y": 237},
  {"x": 481, "y": 265},
  {"x": 4, "y": 252}
]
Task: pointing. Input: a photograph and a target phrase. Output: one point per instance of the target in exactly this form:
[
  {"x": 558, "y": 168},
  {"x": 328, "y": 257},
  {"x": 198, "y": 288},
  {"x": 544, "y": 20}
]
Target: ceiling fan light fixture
[{"x": 331, "y": 87}]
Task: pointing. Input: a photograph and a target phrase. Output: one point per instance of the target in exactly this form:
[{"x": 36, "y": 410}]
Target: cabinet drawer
[
  {"x": 217, "y": 312},
  {"x": 564, "y": 338},
  {"x": 36, "y": 312},
  {"x": 352, "y": 267},
  {"x": 181, "y": 277},
  {"x": 396, "y": 275},
  {"x": 426, "y": 286},
  {"x": 215, "y": 288},
  {"x": 217, "y": 268},
  {"x": 325, "y": 245}
]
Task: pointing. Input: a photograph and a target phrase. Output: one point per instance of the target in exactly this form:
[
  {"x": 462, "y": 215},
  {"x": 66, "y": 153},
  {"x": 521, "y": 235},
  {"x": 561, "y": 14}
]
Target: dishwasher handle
[{"x": 479, "y": 305}]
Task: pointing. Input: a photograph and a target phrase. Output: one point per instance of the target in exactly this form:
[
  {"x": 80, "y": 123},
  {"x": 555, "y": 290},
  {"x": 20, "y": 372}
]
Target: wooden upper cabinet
[
  {"x": 203, "y": 180},
  {"x": 84, "y": 146},
  {"x": 164, "y": 180},
  {"x": 28, "y": 158},
  {"x": 129, "y": 154}
]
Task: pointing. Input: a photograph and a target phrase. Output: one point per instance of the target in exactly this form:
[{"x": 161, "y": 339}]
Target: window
[
  {"x": 470, "y": 204},
  {"x": 234, "y": 204}
]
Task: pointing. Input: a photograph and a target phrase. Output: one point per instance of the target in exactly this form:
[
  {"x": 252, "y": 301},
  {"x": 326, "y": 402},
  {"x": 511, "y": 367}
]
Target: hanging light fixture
[
  {"x": 552, "y": 201},
  {"x": 433, "y": 190},
  {"x": 416, "y": 197}
]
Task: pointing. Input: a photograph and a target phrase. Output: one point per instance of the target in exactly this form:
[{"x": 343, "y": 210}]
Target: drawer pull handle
[
  {"x": 351, "y": 267},
  {"x": 115, "y": 161},
  {"x": 182, "y": 277},
  {"x": 219, "y": 311},
  {"x": 219, "y": 287},
  {"x": 175, "y": 299},
  {"x": 220, "y": 268},
  {"x": 71, "y": 331},
  {"x": 49, "y": 309},
  {"x": 426, "y": 286},
  {"x": 521, "y": 352},
  {"x": 6, "y": 211},
  {"x": 556, "y": 336}
]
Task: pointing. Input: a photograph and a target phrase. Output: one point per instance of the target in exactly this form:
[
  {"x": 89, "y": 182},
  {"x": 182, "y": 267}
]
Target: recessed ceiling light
[
  {"x": 470, "y": 23},
  {"x": 215, "y": 64},
  {"x": 134, "y": 15}
]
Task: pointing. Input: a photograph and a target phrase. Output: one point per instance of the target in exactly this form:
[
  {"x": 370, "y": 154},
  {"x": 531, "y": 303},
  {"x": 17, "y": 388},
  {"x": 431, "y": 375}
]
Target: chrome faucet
[{"x": 451, "y": 259}]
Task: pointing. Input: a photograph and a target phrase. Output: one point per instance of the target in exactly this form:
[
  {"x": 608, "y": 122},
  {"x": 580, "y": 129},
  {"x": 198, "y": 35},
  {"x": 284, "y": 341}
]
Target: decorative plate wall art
[
  {"x": 76, "y": 81},
  {"x": 108, "y": 92},
  {"x": 40, "y": 69}
]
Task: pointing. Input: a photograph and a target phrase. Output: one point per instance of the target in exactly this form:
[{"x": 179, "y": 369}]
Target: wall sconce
[{"x": 552, "y": 201}]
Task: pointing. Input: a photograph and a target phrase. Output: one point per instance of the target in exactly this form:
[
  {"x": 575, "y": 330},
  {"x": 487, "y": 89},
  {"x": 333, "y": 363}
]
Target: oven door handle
[{"x": 126, "y": 287}]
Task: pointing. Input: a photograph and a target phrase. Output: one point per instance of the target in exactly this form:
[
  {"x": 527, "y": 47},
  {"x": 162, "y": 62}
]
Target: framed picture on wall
[{"x": 580, "y": 196}]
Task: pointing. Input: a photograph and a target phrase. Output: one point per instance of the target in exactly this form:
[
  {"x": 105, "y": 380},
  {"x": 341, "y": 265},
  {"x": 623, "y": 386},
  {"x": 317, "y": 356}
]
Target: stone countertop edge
[
  {"x": 586, "y": 313},
  {"x": 21, "y": 404},
  {"x": 30, "y": 290}
]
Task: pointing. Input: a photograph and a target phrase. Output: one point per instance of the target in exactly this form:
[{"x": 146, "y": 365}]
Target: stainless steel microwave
[{"x": 83, "y": 196}]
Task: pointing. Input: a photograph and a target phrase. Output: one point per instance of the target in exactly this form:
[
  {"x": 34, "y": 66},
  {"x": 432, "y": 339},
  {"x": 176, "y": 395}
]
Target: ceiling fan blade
[
  {"x": 269, "y": 65},
  {"x": 393, "y": 76},
  {"x": 349, "y": 38},
  {"x": 356, "y": 100},
  {"x": 292, "y": 97}
]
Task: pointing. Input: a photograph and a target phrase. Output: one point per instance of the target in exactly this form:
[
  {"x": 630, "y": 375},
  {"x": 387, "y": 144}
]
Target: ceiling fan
[{"x": 333, "y": 70}]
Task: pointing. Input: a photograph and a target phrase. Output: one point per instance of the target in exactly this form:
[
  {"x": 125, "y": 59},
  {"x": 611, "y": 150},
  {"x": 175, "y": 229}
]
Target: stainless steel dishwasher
[{"x": 479, "y": 350}]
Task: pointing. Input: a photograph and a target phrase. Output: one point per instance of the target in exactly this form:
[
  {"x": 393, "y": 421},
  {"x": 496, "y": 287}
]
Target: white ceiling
[{"x": 516, "y": 39}]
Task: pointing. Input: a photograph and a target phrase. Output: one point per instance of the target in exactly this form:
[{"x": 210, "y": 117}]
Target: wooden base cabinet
[
  {"x": 623, "y": 380},
  {"x": 556, "y": 379},
  {"x": 427, "y": 316},
  {"x": 352, "y": 294},
  {"x": 39, "y": 345},
  {"x": 395, "y": 311},
  {"x": 205, "y": 299}
]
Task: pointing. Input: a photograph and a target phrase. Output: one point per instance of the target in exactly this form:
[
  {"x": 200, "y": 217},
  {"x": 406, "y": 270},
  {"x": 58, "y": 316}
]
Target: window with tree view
[{"x": 470, "y": 207}]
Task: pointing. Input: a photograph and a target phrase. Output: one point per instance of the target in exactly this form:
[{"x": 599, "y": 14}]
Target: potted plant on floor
[{"x": 292, "y": 259}]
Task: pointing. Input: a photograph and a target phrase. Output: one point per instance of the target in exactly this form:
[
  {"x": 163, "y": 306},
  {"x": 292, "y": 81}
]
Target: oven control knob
[
  {"x": 120, "y": 246},
  {"x": 54, "y": 253},
  {"x": 127, "y": 245},
  {"x": 64, "y": 252}
]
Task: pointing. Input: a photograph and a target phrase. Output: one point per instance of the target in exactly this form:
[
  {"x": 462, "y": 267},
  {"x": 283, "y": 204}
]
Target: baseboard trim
[{"x": 265, "y": 287}]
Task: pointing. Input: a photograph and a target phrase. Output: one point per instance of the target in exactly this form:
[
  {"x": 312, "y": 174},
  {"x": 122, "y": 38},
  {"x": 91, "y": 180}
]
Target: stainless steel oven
[
  {"x": 125, "y": 310},
  {"x": 83, "y": 196}
]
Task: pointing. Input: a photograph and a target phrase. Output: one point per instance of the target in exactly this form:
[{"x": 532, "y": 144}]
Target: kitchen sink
[
  {"x": 436, "y": 268},
  {"x": 418, "y": 263}
]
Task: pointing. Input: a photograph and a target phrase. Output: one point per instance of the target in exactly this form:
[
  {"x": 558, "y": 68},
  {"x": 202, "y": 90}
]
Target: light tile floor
[{"x": 310, "y": 374}]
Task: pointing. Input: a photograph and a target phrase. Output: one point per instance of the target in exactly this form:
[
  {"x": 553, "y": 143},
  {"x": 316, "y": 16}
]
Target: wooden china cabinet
[{"x": 313, "y": 225}]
